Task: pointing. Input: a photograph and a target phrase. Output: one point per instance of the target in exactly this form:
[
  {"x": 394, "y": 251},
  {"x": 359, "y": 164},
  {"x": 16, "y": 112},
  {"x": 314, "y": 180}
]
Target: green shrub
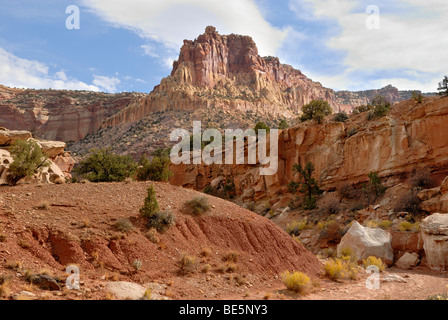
[
  {"x": 28, "y": 158},
  {"x": 158, "y": 169},
  {"x": 362, "y": 109},
  {"x": 261, "y": 125},
  {"x": 297, "y": 281},
  {"x": 374, "y": 188},
  {"x": 198, "y": 205},
  {"x": 341, "y": 117},
  {"x": 316, "y": 110},
  {"x": 162, "y": 220},
  {"x": 307, "y": 185},
  {"x": 417, "y": 96},
  {"x": 380, "y": 108},
  {"x": 283, "y": 125},
  {"x": 443, "y": 86},
  {"x": 151, "y": 205},
  {"x": 105, "y": 166}
]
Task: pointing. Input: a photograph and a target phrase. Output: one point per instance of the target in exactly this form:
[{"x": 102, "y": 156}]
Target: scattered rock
[
  {"x": 408, "y": 261},
  {"x": 394, "y": 278}
]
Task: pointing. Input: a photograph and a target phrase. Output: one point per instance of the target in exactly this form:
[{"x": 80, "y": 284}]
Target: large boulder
[
  {"x": 367, "y": 242},
  {"x": 434, "y": 230},
  {"x": 8, "y": 137}
]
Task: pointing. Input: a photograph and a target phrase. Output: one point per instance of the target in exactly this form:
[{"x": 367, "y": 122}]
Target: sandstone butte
[
  {"x": 411, "y": 137},
  {"x": 224, "y": 71}
]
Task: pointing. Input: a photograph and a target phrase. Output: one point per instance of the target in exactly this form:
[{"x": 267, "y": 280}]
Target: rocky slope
[{"x": 410, "y": 137}]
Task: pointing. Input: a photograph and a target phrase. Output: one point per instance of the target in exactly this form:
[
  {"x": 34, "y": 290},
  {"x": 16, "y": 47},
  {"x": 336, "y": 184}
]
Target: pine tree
[{"x": 151, "y": 206}]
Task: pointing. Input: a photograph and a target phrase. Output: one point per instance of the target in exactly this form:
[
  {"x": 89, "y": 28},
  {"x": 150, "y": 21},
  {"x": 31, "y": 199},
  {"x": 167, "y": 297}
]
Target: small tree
[
  {"x": 443, "y": 87},
  {"x": 28, "y": 158},
  {"x": 105, "y": 166},
  {"x": 316, "y": 110},
  {"x": 374, "y": 188},
  {"x": 150, "y": 206},
  {"x": 261, "y": 125},
  {"x": 417, "y": 96},
  {"x": 380, "y": 107},
  {"x": 158, "y": 169},
  {"x": 307, "y": 185}
]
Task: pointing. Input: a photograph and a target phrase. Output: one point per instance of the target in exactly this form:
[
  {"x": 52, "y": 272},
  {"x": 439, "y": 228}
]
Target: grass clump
[
  {"x": 124, "y": 225},
  {"x": 295, "y": 227},
  {"x": 187, "y": 264},
  {"x": 341, "y": 268},
  {"x": 297, "y": 282},
  {"x": 198, "y": 205},
  {"x": 43, "y": 205},
  {"x": 231, "y": 256},
  {"x": 153, "y": 236},
  {"x": 2, "y": 237},
  {"x": 374, "y": 261},
  {"x": 162, "y": 221}
]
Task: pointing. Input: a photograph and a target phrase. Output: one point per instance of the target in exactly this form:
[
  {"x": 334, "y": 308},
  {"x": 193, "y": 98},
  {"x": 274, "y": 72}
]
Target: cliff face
[
  {"x": 412, "y": 136},
  {"x": 59, "y": 115}
]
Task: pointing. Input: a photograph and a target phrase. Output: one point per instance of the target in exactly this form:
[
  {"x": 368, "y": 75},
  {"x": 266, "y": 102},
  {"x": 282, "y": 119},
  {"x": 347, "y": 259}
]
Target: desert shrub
[
  {"x": 331, "y": 230},
  {"x": 123, "y": 225},
  {"x": 151, "y": 205},
  {"x": 361, "y": 109},
  {"x": 374, "y": 188},
  {"x": 348, "y": 253},
  {"x": 2, "y": 237},
  {"x": 374, "y": 261},
  {"x": 231, "y": 256},
  {"x": 105, "y": 166},
  {"x": 162, "y": 220},
  {"x": 408, "y": 202},
  {"x": 340, "y": 117},
  {"x": 417, "y": 96},
  {"x": 329, "y": 253},
  {"x": 294, "y": 228},
  {"x": 316, "y": 110},
  {"x": 137, "y": 264},
  {"x": 341, "y": 268},
  {"x": 283, "y": 125},
  {"x": 408, "y": 226},
  {"x": 153, "y": 236},
  {"x": 421, "y": 179},
  {"x": 28, "y": 159},
  {"x": 385, "y": 224},
  {"x": 206, "y": 252},
  {"x": 380, "y": 108},
  {"x": 158, "y": 169},
  {"x": 187, "y": 264},
  {"x": 347, "y": 191},
  {"x": 198, "y": 205},
  {"x": 297, "y": 281},
  {"x": 331, "y": 206},
  {"x": 441, "y": 296}
]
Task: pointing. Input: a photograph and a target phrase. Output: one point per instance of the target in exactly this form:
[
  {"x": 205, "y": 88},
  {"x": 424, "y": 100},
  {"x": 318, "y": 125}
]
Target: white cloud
[
  {"x": 171, "y": 21},
  {"x": 23, "y": 73},
  {"x": 108, "y": 84},
  {"x": 409, "y": 42}
]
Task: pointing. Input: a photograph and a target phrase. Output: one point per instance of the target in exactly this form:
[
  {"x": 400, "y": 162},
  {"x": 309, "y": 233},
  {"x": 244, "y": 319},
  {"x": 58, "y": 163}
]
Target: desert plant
[
  {"x": 187, "y": 264},
  {"x": 408, "y": 226},
  {"x": 105, "y": 166},
  {"x": 28, "y": 159},
  {"x": 43, "y": 205},
  {"x": 294, "y": 228},
  {"x": 158, "y": 169},
  {"x": 340, "y": 117},
  {"x": 380, "y": 108},
  {"x": 231, "y": 256},
  {"x": 334, "y": 269},
  {"x": 421, "y": 179},
  {"x": 2, "y": 237},
  {"x": 198, "y": 205},
  {"x": 137, "y": 264},
  {"x": 298, "y": 282},
  {"x": 374, "y": 261},
  {"x": 123, "y": 225},
  {"x": 385, "y": 224},
  {"x": 307, "y": 185},
  {"x": 352, "y": 132},
  {"x": 417, "y": 96},
  {"x": 162, "y": 220},
  {"x": 374, "y": 188},
  {"x": 316, "y": 110},
  {"x": 151, "y": 205},
  {"x": 261, "y": 126},
  {"x": 283, "y": 125},
  {"x": 152, "y": 236},
  {"x": 348, "y": 253},
  {"x": 341, "y": 268},
  {"x": 408, "y": 202},
  {"x": 347, "y": 191}
]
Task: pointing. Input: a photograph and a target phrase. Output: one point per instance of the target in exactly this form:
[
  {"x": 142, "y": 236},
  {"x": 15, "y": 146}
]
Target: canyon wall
[{"x": 411, "y": 137}]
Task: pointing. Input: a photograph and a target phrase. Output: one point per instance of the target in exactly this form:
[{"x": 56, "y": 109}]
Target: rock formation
[
  {"x": 61, "y": 162},
  {"x": 434, "y": 230}
]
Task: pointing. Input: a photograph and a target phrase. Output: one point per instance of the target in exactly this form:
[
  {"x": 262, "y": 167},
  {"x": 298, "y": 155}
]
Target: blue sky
[{"x": 130, "y": 45}]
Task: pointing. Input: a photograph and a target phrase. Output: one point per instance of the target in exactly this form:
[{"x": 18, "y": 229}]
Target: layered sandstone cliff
[
  {"x": 60, "y": 114},
  {"x": 410, "y": 137}
]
